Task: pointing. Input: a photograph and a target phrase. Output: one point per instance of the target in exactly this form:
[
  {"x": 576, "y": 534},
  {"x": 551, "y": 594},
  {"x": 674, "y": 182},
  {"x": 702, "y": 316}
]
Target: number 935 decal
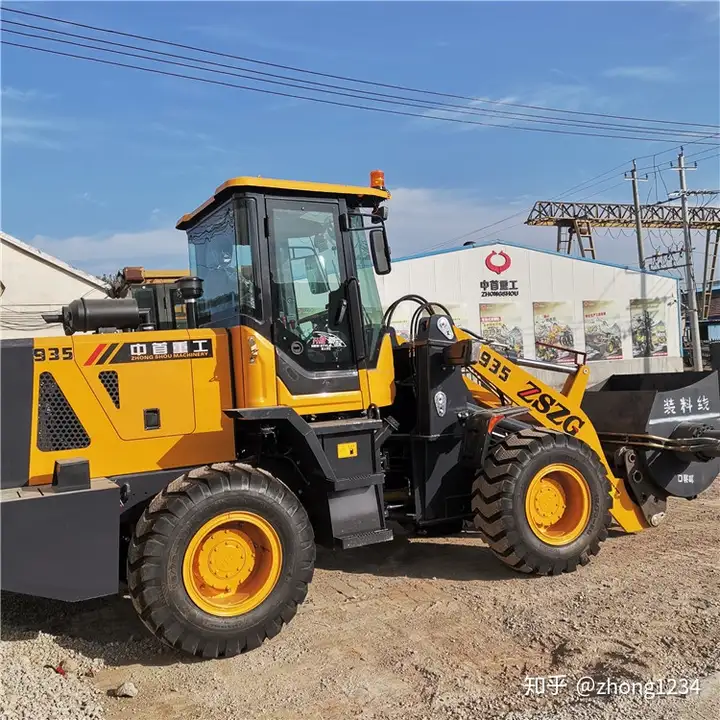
[
  {"x": 52, "y": 353},
  {"x": 494, "y": 365}
]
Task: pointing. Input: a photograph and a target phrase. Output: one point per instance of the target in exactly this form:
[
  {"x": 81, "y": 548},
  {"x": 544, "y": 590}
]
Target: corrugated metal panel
[{"x": 713, "y": 332}]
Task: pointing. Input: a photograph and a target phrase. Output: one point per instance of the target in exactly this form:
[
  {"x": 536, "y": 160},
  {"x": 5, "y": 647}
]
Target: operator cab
[{"x": 288, "y": 268}]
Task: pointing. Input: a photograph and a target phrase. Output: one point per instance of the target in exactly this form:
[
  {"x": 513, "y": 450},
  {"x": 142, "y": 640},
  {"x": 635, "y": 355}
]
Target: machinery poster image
[
  {"x": 502, "y": 323},
  {"x": 553, "y": 326},
  {"x": 603, "y": 329},
  {"x": 648, "y": 324}
]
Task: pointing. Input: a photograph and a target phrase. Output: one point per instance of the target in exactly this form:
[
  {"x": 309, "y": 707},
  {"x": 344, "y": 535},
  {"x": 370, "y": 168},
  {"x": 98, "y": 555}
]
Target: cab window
[{"x": 221, "y": 253}]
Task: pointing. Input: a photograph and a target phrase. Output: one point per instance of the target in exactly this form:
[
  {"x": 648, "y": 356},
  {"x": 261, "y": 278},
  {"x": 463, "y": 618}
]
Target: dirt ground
[{"x": 436, "y": 629}]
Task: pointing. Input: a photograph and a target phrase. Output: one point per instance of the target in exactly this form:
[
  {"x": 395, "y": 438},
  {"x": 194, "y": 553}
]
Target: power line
[
  {"x": 344, "y": 78},
  {"x": 380, "y": 97},
  {"x": 295, "y": 83},
  {"x": 583, "y": 186},
  {"x": 330, "y": 89},
  {"x": 323, "y": 101}
]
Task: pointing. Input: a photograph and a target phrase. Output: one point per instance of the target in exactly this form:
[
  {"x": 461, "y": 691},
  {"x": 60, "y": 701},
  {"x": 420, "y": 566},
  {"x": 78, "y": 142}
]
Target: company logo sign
[
  {"x": 499, "y": 288},
  {"x": 498, "y": 262},
  {"x": 179, "y": 349}
]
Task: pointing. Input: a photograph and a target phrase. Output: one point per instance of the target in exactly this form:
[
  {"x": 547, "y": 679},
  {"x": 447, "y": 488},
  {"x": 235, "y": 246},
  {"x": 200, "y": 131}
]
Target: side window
[
  {"x": 372, "y": 310},
  {"x": 145, "y": 298},
  {"x": 307, "y": 289},
  {"x": 221, "y": 253}
]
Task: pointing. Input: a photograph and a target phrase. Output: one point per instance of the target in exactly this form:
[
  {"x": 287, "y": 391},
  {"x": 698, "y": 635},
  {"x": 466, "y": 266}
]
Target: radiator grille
[
  {"x": 58, "y": 426},
  {"x": 109, "y": 379}
]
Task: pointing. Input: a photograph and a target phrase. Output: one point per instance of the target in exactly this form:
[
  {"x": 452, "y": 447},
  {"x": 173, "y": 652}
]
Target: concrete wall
[
  {"x": 32, "y": 287},
  {"x": 522, "y": 295}
]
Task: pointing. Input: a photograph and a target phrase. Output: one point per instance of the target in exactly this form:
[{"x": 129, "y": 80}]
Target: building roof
[
  {"x": 265, "y": 184},
  {"x": 488, "y": 243},
  {"x": 50, "y": 260}
]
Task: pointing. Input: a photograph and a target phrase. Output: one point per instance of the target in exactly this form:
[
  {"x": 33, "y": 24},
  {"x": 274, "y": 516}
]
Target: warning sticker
[{"x": 326, "y": 341}]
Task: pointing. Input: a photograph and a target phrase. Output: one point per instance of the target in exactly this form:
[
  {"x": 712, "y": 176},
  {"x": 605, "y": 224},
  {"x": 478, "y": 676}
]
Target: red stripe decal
[{"x": 94, "y": 355}]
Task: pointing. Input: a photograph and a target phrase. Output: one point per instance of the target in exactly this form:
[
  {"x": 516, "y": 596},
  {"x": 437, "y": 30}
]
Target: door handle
[
  {"x": 342, "y": 311},
  {"x": 254, "y": 350}
]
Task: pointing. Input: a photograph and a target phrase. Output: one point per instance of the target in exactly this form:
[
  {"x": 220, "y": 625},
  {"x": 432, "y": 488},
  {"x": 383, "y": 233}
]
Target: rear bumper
[{"x": 60, "y": 545}]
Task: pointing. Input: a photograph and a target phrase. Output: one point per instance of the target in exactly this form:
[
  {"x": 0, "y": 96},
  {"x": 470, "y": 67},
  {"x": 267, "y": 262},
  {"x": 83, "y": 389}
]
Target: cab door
[{"x": 316, "y": 360}]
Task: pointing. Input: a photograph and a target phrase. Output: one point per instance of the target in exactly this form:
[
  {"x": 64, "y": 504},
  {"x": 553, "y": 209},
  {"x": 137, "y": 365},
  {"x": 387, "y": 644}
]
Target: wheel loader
[{"x": 198, "y": 466}]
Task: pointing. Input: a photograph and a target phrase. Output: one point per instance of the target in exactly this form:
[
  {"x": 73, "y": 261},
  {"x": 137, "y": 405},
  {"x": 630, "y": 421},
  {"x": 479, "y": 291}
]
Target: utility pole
[
  {"x": 691, "y": 292},
  {"x": 638, "y": 220}
]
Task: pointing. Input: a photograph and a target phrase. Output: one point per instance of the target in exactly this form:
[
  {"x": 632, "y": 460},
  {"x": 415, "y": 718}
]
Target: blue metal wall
[{"x": 713, "y": 332}]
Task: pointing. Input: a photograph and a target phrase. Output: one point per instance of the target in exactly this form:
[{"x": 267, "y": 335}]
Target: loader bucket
[{"x": 653, "y": 407}]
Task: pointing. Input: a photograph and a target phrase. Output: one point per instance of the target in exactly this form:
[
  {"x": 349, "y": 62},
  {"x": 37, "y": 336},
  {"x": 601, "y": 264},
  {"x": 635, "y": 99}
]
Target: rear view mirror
[
  {"x": 380, "y": 251},
  {"x": 380, "y": 214},
  {"x": 315, "y": 276}
]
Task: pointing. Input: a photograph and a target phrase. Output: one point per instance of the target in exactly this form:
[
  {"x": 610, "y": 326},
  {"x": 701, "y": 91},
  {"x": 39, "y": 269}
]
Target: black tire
[
  {"x": 499, "y": 493},
  {"x": 161, "y": 536}
]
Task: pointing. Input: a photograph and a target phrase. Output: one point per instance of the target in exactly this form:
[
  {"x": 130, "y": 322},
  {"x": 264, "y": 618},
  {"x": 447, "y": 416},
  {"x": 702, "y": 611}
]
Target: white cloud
[
  {"x": 33, "y": 132},
  {"x": 161, "y": 248},
  {"x": 482, "y": 113},
  {"x": 11, "y": 93},
  {"x": 420, "y": 219},
  {"x": 644, "y": 73},
  {"x": 90, "y": 199}
]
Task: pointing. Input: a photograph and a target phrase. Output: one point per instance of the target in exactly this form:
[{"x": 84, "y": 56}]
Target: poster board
[
  {"x": 502, "y": 323},
  {"x": 648, "y": 327},
  {"x": 552, "y": 322},
  {"x": 603, "y": 322}
]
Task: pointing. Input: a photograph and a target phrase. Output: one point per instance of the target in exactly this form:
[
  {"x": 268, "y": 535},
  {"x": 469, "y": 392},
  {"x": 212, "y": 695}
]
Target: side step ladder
[{"x": 580, "y": 229}]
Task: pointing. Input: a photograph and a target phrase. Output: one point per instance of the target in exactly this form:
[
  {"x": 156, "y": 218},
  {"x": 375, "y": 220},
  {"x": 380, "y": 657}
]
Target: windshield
[{"x": 372, "y": 310}]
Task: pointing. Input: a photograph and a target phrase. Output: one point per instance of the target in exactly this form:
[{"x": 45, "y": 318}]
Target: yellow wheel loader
[{"x": 200, "y": 464}]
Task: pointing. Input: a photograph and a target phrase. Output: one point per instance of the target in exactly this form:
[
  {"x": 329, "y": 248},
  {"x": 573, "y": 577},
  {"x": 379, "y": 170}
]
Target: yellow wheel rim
[
  {"x": 232, "y": 564},
  {"x": 557, "y": 504}
]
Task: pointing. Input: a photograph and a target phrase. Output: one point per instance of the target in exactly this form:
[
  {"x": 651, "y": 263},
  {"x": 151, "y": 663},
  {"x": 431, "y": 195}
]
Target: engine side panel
[{"x": 131, "y": 402}]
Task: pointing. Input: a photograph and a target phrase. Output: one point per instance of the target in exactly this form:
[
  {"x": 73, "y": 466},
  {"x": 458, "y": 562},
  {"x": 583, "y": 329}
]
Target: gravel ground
[{"x": 426, "y": 628}]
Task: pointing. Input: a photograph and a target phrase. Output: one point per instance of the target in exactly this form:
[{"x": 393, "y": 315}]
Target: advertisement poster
[
  {"x": 501, "y": 322},
  {"x": 553, "y": 326},
  {"x": 648, "y": 327},
  {"x": 603, "y": 329}
]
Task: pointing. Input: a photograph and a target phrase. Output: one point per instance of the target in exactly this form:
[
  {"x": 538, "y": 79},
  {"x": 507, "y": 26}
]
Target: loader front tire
[
  {"x": 542, "y": 502},
  {"x": 220, "y": 560}
]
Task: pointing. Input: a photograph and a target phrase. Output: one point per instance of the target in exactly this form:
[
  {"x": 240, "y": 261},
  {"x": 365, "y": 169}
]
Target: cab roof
[{"x": 279, "y": 186}]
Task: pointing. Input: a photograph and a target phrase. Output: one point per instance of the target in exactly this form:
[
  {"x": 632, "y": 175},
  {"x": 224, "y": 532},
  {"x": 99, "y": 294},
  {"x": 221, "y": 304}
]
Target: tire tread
[
  {"x": 492, "y": 501},
  {"x": 165, "y": 512}
]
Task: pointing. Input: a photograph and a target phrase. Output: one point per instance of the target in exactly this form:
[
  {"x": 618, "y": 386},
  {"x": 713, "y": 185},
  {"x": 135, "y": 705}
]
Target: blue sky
[{"x": 99, "y": 162}]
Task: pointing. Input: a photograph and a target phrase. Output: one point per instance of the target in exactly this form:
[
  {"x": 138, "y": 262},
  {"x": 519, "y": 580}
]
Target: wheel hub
[
  {"x": 548, "y": 502},
  {"x": 232, "y": 563},
  {"x": 557, "y": 504},
  {"x": 227, "y": 558}
]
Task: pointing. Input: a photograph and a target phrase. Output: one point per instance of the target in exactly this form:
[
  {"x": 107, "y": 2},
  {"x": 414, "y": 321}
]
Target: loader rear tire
[
  {"x": 220, "y": 560},
  {"x": 542, "y": 502}
]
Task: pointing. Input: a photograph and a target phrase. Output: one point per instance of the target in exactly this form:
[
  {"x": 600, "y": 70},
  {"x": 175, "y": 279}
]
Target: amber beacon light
[{"x": 377, "y": 179}]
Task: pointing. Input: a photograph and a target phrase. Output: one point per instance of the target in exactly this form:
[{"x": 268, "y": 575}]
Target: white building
[
  {"x": 33, "y": 282},
  {"x": 523, "y": 297}
]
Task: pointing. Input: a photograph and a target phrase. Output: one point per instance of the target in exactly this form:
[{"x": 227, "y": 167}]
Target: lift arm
[{"x": 555, "y": 410}]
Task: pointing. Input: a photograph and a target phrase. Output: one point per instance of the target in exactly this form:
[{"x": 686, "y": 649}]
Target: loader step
[{"x": 365, "y": 538}]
